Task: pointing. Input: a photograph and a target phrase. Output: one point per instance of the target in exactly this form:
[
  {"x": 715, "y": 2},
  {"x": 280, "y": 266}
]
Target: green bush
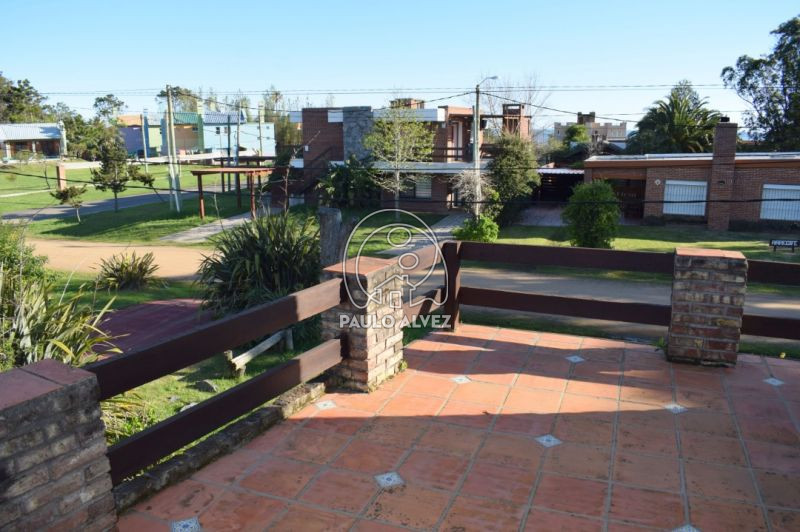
[
  {"x": 350, "y": 184},
  {"x": 260, "y": 261},
  {"x": 480, "y": 229},
  {"x": 36, "y": 324},
  {"x": 17, "y": 257},
  {"x": 127, "y": 272},
  {"x": 592, "y": 215}
]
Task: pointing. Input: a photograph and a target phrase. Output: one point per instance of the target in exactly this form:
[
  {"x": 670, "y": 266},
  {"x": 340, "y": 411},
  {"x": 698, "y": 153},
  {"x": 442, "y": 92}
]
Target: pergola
[{"x": 251, "y": 172}]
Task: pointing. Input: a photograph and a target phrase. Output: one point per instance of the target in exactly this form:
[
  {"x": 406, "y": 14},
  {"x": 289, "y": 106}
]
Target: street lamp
[{"x": 476, "y": 150}]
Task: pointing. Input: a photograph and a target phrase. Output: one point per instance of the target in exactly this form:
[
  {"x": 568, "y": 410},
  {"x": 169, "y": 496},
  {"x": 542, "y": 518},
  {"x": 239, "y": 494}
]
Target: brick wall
[
  {"x": 708, "y": 291},
  {"x": 660, "y": 174},
  {"x": 749, "y": 182},
  {"x": 53, "y": 465},
  {"x": 319, "y": 135},
  {"x": 375, "y": 352}
]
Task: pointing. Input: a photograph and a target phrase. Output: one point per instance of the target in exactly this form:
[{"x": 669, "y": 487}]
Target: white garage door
[
  {"x": 695, "y": 191},
  {"x": 780, "y": 210}
]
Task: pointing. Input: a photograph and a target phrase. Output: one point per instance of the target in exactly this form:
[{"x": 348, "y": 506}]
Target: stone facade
[
  {"x": 356, "y": 124},
  {"x": 374, "y": 333},
  {"x": 708, "y": 291},
  {"x": 54, "y": 474}
]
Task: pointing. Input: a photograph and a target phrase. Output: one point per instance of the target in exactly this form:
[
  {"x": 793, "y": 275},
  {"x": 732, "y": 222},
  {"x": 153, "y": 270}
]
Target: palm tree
[{"x": 680, "y": 124}]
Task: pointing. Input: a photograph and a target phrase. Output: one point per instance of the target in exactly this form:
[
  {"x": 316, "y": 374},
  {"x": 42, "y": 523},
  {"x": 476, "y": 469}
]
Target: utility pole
[
  {"x": 476, "y": 149},
  {"x": 170, "y": 171},
  {"x": 175, "y": 183},
  {"x": 236, "y": 155},
  {"x": 229, "y": 150},
  {"x": 144, "y": 139},
  {"x": 260, "y": 123}
]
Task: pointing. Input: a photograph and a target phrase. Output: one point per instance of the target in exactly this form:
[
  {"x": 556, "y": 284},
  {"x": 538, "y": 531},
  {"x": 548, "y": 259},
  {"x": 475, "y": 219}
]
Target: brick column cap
[
  {"x": 23, "y": 384},
  {"x": 711, "y": 253},
  {"x": 366, "y": 266}
]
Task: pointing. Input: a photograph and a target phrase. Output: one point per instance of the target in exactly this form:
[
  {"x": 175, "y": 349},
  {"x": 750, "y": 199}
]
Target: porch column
[
  {"x": 708, "y": 291},
  {"x": 54, "y": 474},
  {"x": 371, "y": 316}
]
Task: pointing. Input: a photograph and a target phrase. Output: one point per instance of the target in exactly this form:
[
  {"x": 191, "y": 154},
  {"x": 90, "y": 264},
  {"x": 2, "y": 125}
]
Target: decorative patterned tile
[
  {"x": 389, "y": 480},
  {"x": 548, "y": 440},
  {"x": 575, "y": 359},
  {"x": 685, "y": 528},
  {"x": 461, "y": 379},
  {"x": 773, "y": 381},
  {"x": 326, "y": 405},
  {"x": 186, "y": 525},
  {"x": 675, "y": 408}
]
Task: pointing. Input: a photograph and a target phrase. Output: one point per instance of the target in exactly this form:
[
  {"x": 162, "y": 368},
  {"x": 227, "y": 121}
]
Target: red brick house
[
  {"x": 685, "y": 179},
  {"x": 332, "y": 135}
]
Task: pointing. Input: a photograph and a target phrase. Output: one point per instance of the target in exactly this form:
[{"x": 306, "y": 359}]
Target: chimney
[{"x": 720, "y": 186}]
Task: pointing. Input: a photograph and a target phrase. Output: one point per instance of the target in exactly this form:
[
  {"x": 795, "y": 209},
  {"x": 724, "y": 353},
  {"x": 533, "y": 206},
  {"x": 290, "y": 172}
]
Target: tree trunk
[
  {"x": 78, "y": 214},
  {"x": 333, "y": 235},
  {"x": 397, "y": 195},
  {"x": 116, "y": 204}
]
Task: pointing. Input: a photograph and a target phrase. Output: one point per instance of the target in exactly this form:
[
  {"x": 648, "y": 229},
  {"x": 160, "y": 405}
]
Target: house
[
  {"x": 47, "y": 139},
  {"x": 598, "y": 132},
  {"x": 130, "y": 127},
  {"x": 331, "y": 135},
  {"x": 206, "y": 132},
  {"x": 675, "y": 186}
]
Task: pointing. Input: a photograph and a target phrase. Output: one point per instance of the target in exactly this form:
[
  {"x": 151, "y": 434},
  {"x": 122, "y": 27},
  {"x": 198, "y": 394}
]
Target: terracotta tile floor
[{"x": 727, "y": 458}]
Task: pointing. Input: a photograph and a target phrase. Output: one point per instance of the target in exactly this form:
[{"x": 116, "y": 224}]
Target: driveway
[{"x": 174, "y": 262}]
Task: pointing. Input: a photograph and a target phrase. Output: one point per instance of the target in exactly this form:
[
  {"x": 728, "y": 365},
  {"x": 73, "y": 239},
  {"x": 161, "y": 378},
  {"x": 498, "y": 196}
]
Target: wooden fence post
[{"x": 452, "y": 259}]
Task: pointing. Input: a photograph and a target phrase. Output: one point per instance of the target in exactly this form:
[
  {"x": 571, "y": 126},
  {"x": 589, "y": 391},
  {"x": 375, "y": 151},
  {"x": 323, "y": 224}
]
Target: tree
[
  {"x": 592, "y": 215},
  {"x": 108, "y": 107},
  {"x": 287, "y": 134},
  {"x": 21, "y": 102},
  {"x": 576, "y": 133},
  {"x": 350, "y": 184},
  {"x": 183, "y": 100},
  {"x": 682, "y": 123},
  {"x": 398, "y": 139},
  {"x": 771, "y": 84},
  {"x": 115, "y": 172},
  {"x": 513, "y": 171},
  {"x": 71, "y": 196},
  {"x": 471, "y": 186}
]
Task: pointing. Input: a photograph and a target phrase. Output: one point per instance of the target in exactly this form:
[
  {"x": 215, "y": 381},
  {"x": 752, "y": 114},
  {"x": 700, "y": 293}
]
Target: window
[
  {"x": 694, "y": 191},
  {"x": 423, "y": 187},
  {"x": 780, "y": 210}
]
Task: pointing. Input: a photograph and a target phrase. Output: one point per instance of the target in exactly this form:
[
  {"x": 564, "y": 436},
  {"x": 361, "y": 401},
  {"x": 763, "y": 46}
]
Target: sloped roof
[
  {"x": 221, "y": 118},
  {"x": 39, "y": 131}
]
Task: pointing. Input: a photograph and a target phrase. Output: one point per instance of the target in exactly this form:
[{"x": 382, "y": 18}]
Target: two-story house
[{"x": 332, "y": 135}]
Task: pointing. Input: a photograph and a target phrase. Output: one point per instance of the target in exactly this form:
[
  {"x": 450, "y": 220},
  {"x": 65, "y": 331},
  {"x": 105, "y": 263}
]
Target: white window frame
[
  {"x": 425, "y": 191},
  {"x": 780, "y": 210},
  {"x": 692, "y": 191}
]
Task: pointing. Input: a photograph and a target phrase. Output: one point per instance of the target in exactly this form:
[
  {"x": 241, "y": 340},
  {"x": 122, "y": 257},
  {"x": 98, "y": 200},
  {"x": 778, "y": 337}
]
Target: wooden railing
[
  {"x": 634, "y": 261},
  {"x": 118, "y": 374}
]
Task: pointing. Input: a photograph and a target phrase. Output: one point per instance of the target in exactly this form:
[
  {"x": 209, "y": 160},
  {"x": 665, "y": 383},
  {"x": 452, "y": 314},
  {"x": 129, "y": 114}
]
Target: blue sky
[{"x": 84, "y": 46}]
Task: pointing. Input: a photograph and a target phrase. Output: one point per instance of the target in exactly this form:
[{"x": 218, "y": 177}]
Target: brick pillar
[
  {"x": 54, "y": 474},
  {"x": 374, "y": 333},
  {"x": 720, "y": 186},
  {"x": 61, "y": 176},
  {"x": 708, "y": 290}
]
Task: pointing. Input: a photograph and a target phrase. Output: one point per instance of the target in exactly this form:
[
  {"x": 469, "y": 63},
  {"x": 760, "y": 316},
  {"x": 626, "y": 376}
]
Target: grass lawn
[
  {"x": 378, "y": 242},
  {"x": 145, "y": 223},
  {"x": 659, "y": 238},
  {"x": 32, "y": 191}
]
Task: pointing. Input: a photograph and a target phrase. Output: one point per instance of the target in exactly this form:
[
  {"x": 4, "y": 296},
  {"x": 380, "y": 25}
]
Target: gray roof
[
  {"x": 41, "y": 131},
  {"x": 561, "y": 171},
  {"x": 221, "y": 118}
]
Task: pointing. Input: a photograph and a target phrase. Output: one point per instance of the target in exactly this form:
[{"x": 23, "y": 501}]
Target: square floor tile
[
  {"x": 575, "y": 495},
  {"x": 707, "y": 514},
  {"x": 325, "y": 405},
  {"x": 340, "y": 490},
  {"x": 433, "y": 470},
  {"x": 575, "y": 359},
  {"x": 300, "y": 517},
  {"x": 772, "y": 381},
  {"x": 369, "y": 456},
  {"x": 181, "y": 501},
  {"x": 479, "y": 514},
  {"x": 648, "y": 471},
  {"x": 493, "y": 481},
  {"x": 312, "y": 445},
  {"x": 719, "y": 481},
  {"x": 237, "y": 510},
  {"x": 511, "y": 450},
  {"x": 279, "y": 476},
  {"x": 647, "y": 507},
  {"x": 410, "y": 506},
  {"x": 573, "y": 459},
  {"x": 389, "y": 480}
]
